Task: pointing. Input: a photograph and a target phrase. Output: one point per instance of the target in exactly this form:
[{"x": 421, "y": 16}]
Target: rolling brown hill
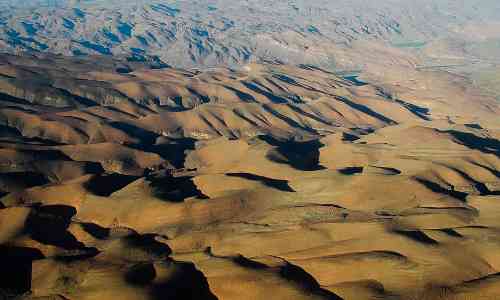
[{"x": 265, "y": 181}]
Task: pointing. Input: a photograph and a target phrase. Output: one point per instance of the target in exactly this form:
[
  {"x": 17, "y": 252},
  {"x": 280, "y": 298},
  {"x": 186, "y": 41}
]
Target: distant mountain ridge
[{"x": 207, "y": 33}]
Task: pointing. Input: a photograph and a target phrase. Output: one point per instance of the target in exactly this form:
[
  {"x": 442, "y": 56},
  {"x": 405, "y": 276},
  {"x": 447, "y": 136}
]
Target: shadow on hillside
[
  {"x": 174, "y": 189},
  {"x": 10, "y": 134},
  {"x": 16, "y": 270},
  {"x": 145, "y": 136},
  {"x": 148, "y": 243},
  {"x": 96, "y": 231},
  {"x": 278, "y": 184},
  {"x": 268, "y": 94},
  {"x": 486, "y": 145},
  {"x": 291, "y": 273},
  {"x": 174, "y": 150},
  {"x": 417, "y": 236},
  {"x": 439, "y": 189},
  {"x": 186, "y": 283},
  {"x": 23, "y": 180},
  {"x": 306, "y": 281},
  {"x": 134, "y": 241},
  {"x": 366, "y": 110},
  {"x": 303, "y": 156},
  {"x": 106, "y": 184},
  {"x": 170, "y": 149},
  {"x": 419, "y": 111},
  {"x": 355, "y": 80},
  {"x": 48, "y": 225},
  {"x": 351, "y": 170}
]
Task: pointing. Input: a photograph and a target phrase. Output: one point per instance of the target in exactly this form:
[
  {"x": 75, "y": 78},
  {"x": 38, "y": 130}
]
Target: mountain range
[{"x": 205, "y": 33}]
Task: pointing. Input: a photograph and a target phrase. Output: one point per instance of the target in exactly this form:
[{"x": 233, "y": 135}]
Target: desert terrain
[
  {"x": 363, "y": 166},
  {"x": 269, "y": 179}
]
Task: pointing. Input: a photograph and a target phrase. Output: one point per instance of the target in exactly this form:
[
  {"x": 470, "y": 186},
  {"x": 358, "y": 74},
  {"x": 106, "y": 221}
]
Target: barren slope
[{"x": 269, "y": 181}]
